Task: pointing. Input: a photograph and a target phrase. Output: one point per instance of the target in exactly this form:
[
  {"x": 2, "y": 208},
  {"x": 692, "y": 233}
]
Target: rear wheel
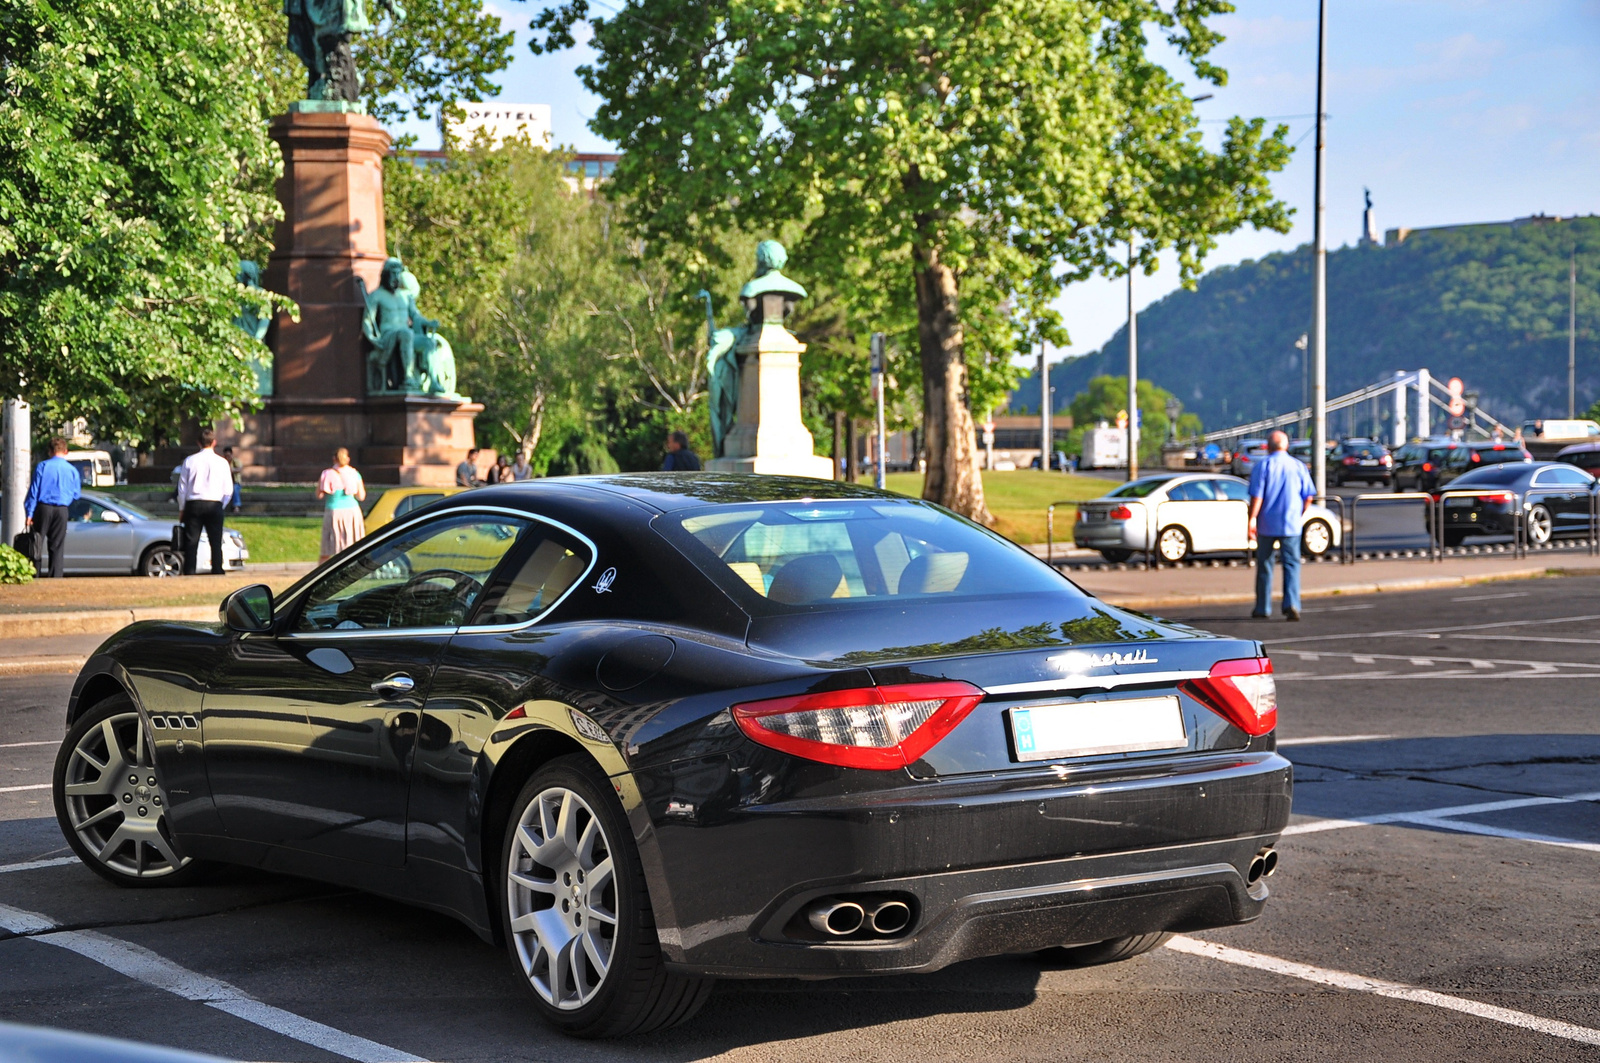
[
  {"x": 1540, "y": 525},
  {"x": 1453, "y": 537},
  {"x": 1116, "y": 557},
  {"x": 1316, "y": 539},
  {"x": 161, "y": 560},
  {"x": 1117, "y": 949},
  {"x": 578, "y": 922},
  {"x": 1173, "y": 544},
  {"x": 111, "y": 803}
]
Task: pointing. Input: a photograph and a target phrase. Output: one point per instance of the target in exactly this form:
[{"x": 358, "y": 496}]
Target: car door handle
[{"x": 394, "y": 686}]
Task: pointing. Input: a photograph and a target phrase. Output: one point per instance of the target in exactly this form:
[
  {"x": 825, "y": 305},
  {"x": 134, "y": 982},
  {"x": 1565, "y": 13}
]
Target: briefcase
[
  {"x": 30, "y": 544},
  {"x": 177, "y": 537}
]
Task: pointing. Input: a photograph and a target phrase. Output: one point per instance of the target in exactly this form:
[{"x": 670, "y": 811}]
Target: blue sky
[{"x": 1449, "y": 110}]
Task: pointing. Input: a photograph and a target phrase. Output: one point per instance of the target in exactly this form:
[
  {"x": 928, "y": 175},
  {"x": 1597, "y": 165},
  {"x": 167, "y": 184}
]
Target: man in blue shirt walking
[
  {"x": 55, "y": 486},
  {"x": 1280, "y": 491}
]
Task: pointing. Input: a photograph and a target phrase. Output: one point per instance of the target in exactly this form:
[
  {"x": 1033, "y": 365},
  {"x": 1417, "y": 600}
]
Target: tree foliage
[
  {"x": 946, "y": 158},
  {"x": 1106, "y": 397},
  {"x": 1486, "y": 303},
  {"x": 132, "y": 166}
]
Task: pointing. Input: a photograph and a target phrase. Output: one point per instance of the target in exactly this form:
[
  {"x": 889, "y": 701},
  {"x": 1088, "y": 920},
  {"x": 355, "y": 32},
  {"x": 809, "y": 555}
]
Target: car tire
[
  {"x": 1116, "y": 557},
  {"x": 1540, "y": 525},
  {"x": 160, "y": 560},
  {"x": 568, "y": 807},
  {"x": 1316, "y": 532},
  {"x": 1174, "y": 545},
  {"x": 110, "y": 801},
  {"x": 1113, "y": 951}
]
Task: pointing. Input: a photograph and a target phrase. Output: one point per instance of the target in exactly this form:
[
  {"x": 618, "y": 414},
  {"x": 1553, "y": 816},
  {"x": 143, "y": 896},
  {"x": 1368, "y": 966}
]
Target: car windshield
[
  {"x": 836, "y": 553},
  {"x": 1139, "y": 488},
  {"x": 131, "y": 510}
]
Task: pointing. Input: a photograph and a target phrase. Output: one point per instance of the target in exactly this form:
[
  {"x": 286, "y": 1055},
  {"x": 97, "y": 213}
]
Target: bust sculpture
[{"x": 320, "y": 32}]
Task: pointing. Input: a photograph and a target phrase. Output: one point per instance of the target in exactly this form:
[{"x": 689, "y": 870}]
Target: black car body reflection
[{"x": 803, "y": 697}]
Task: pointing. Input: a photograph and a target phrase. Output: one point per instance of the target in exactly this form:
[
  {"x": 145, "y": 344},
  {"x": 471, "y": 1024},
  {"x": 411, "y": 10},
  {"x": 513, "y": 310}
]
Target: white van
[
  {"x": 1553, "y": 429},
  {"x": 94, "y": 466}
]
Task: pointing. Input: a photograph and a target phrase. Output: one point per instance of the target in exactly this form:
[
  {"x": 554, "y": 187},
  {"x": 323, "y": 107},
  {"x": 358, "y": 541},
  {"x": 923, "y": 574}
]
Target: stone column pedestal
[{"x": 769, "y": 436}]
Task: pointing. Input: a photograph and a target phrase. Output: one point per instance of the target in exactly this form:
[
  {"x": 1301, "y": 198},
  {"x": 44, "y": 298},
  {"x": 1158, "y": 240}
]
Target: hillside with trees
[{"x": 1487, "y": 303}]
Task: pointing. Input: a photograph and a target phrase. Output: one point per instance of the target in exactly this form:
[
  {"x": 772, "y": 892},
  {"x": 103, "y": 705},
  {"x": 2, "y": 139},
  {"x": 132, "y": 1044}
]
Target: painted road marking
[
  {"x": 1394, "y": 990},
  {"x": 19, "y": 789},
  {"x": 31, "y": 865},
  {"x": 142, "y": 965},
  {"x": 1445, "y": 819},
  {"x": 1433, "y": 632},
  {"x": 1490, "y": 597},
  {"x": 1529, "y": 638},
  {"x": 1323, "y": 739},
  {"x": 19, "y": 745}
]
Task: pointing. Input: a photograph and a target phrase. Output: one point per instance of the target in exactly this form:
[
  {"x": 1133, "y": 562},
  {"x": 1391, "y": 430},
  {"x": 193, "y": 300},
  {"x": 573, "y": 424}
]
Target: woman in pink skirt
[{"x": 342, "y": 523}]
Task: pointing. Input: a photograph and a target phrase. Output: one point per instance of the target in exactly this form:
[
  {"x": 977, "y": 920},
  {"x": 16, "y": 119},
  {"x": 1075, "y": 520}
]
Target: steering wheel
[{"x": 462, "y": 587}]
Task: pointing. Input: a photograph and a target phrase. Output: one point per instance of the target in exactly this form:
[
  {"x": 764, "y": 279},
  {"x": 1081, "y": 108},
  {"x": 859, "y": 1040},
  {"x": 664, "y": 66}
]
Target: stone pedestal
[
  {"x": 333, "y": 232},
  {"x": 769, "y": 436}
]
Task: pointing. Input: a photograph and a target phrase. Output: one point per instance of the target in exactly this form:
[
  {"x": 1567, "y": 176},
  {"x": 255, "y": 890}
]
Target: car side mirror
[
  {"x": 110, "y": 516},
  {"x": 248, "y": 609}
]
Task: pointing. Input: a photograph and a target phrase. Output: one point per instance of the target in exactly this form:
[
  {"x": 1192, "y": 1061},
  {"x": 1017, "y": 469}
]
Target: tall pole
[
  {"x": 877, "y": 389},
  {"x": 1572, "y": 334},
  {"x": 1045, "y": 439},
  {"x": 1319, "y": 269},
  {"x": 15, "y": 462},
  {"x": 1133, "y": 376}
]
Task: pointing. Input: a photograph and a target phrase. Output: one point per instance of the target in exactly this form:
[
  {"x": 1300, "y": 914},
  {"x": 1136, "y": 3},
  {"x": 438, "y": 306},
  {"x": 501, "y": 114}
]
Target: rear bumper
[
  {"x": 989, "y": 867},
  {"x": 1119, "y": 535}
]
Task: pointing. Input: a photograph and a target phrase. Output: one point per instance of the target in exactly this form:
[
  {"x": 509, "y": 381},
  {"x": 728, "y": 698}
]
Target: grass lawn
[
  {"x": 1018, "y": 499},
  {"x": 275, "y": 539}
]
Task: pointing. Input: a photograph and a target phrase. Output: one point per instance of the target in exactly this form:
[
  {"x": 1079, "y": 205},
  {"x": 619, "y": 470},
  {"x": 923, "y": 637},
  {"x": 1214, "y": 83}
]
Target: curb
[
  {"x": 95, "y": 621},
  {"x": 1169, "y": 601},
  {"x": 42, "y": 666}
]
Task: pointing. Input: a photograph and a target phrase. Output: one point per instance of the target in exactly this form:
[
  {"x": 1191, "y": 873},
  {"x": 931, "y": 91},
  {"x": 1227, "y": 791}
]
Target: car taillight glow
[
  {"x": 879, "y": 728},
  {"x": 1427, "y": 466},
  {"x": 1387, "y": 460},
  {"x": 1497, "y": 496},
  {"x": 1120, "y": 513},
  {"x": 1241, "y": 691},
  {"x": 1476, "y": 457},
  {"x": 1350, "y": 461}
]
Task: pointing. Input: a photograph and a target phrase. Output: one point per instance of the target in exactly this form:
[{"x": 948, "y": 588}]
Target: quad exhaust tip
[
  {"x": 837, "y": 918},
  {"x": 890, "y": 917},
  {"x": 1262, "y": 864}
]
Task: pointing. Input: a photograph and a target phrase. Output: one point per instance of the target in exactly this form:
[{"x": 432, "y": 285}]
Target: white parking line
[
  {"x": 1433, "y": 632},
  {"x": 1446, "y": 819},
  {"x": 142, "y": 965},
  {"x": 19, "y": 745},
  {"x": 19, "y": 789},
  {"x": 1322, "y": 739},
  {"x": 34, "y": 865},
  {"x": 1395, "y": 990},
  {"x": 1490, "y": 597}
]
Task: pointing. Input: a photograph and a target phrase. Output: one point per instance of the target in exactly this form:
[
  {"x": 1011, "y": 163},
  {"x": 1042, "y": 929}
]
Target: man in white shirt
[{"x": 204, "y": 482}]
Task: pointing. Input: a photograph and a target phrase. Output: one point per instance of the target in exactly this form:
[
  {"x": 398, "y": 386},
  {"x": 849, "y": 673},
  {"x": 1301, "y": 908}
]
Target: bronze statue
[
  {"x": 320, "y": 32},
  {"x": 386, "y": 323},
  {"x": 722, "y": 360},
  {"x": 255, "y": 325}
]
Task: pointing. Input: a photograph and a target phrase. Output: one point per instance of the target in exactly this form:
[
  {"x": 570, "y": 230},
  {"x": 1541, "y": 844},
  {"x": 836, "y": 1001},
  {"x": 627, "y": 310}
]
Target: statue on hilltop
[
  {"x": 320, "y": 32},
  {"x": 722, "y": 361}
]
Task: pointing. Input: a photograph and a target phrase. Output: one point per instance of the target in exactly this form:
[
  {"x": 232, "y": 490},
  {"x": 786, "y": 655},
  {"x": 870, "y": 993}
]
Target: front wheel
[
  {"x": 110, "y": 800},
  {"x": 577, "y": 911},
  {"x": 1540, "y": 525},
  {"x": 1173, "y": 544},
  {"x": 1113, "y": 951},
  {"x": 1317, "y": 538},
  {"x": 161, "y": 560}
]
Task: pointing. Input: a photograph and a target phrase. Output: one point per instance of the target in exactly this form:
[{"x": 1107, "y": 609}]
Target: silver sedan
[
  {"x": 1179, "y": 515},
  {"x": 105, "y": 535}
]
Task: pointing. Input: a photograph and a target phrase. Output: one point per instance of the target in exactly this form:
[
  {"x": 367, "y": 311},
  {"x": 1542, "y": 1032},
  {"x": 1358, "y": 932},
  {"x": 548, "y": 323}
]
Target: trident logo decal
[{"x": 607, "y": 578}]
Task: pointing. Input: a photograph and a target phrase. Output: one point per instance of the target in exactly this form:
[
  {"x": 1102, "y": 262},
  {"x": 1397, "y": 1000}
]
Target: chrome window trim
[
  {"x": 403, "y": 526},
  {"x": 1093, "y": 682}
]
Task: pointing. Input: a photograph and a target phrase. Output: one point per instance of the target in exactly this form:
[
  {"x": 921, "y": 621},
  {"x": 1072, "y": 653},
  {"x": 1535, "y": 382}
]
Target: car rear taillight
[
  {"x": 1427, "y": 466},
  {"x": 879, "y": 728},
  {"x": 1476, "y": 457},
  {"x": 1498, "y": 496},
  {"x": 1120, "y": 513},
  {"x": 1387, "y": 460},
  {"x": 1350, "y": 461},
  {"x": 1242, "y": 692}
]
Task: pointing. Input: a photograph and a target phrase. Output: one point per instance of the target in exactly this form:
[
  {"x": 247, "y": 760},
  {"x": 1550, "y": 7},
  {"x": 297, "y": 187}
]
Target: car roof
[
  {"x": 666, "y": 492},
  {"x": 1578, "y": 448}
]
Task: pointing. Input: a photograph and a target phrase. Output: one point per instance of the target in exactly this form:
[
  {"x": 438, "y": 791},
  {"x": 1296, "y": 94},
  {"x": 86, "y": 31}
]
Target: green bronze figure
[
  {"x": 255, "y": 326},
  {"x": 436, "y": 360},
  {"x": 722, "y": 360},
  {"x": 320, "y": 32},
  {"x": 387, "y": 325}
]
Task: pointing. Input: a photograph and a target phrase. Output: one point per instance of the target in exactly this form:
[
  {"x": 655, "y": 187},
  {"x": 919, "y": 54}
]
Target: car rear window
[
  {"x": 1363, "y": 450},
  {"x": 1486, "y": 474},
  {"x": 1494, "y": 456},
  {"x": 835, "y": 553},
  {"x": 1138, "y": 488}
]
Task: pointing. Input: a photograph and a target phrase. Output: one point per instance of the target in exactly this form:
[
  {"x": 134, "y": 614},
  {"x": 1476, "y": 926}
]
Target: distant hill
[{"x": 1487, "y": 303}]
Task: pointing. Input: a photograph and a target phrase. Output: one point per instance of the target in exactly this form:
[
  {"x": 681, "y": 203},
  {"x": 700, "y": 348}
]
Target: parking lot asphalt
[{"x": 1437, "y": 898}]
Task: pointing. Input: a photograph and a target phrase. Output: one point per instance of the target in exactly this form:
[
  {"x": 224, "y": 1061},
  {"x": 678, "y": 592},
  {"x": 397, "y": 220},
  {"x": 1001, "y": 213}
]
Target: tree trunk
[
  {"x": 952, "y": 479},
  {"x": 852, "y": 448},
  {"x": 841, "y": 460},
  {"x": 530, "y": 438}
]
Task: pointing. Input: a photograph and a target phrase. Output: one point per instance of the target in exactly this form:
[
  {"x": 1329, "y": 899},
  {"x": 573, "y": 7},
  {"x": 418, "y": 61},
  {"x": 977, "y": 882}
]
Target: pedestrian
[
  {"x": 205, "y": 483},
  {"x": 54, "y": 487},
  {"x": 522, "y": 468},
  {"x": 467, "y": 471},
  {"x": 235, "y": 467},
  {"x": 342, "y": 523},
  {"x": 1280, "y": 492},
  {"x": 500, "y": 471},
  {"x": 679, "y": 457}
]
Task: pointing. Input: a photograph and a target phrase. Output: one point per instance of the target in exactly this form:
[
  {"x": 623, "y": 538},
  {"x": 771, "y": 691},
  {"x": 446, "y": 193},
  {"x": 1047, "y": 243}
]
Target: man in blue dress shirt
[
  {"x": 56, "y": 485},
  {"x": 1280, "y": 492}
]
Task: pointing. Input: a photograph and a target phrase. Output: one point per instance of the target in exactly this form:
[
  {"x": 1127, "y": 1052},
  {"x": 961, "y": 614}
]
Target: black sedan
[
  {"x": 652, "y": 730},
  {"x": 1359, "y": 459},
  {"x": 1555, "y": 499}
]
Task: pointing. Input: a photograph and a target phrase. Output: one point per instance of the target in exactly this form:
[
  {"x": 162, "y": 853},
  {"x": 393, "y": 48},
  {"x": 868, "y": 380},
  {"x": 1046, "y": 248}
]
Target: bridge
[{"x": 1429, "y": 392}]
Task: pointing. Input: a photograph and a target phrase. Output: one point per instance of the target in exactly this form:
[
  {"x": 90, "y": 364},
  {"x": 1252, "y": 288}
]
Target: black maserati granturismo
[{"x": 652, "y": 730}]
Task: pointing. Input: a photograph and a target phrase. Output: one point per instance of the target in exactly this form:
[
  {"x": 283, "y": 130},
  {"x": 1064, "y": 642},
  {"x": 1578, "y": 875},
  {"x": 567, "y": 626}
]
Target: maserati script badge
[
  {"x": 1077, "y": 661},
  {"x": 607, "y": 578}
]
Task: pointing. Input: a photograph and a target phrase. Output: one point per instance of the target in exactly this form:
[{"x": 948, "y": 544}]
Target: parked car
[
  {"x": 1246, "y": 452},
  {"x": 1464, "y": 457},
  {"x": 94, "y": 467},
  {"x": 1555, "y": 500},
  {"x": 1059, "y": 462},
  {"x": 106, "y": 535},
  {"x": 397, "y": 502},
  {"x": 1585, "y": 456},
  {"x": 1184, "y": 515},
  {"x": 1359, "y": 459},
  {"x": 810, "y": 694},
  {"x": 1418, "y": 463},
  {"x": 1567, "y": 429}
]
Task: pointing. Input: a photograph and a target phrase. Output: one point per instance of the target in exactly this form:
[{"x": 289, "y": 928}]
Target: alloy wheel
[
  {"x": 114, "y": 801},
  {"x": 562, "y": 894},
  {"x": 1539, "y": 525},
  {"x": 163, "y": 561},
  {"x": 1173, "y": 544}
]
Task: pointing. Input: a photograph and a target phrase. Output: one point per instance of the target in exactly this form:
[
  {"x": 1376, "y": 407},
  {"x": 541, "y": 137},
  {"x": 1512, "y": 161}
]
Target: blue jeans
[{"x": 1287, "y": 547}]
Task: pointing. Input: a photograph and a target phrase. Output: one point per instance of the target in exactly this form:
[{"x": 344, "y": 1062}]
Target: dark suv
[
  {"x": 1464, "y": 457},
  {"x": 1417, "y": 464},
  {"x": 1358, "y": 459}
]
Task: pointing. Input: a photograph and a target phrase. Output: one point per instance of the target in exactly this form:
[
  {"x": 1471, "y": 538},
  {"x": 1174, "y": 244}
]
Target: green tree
[
  {"x": 132, "y": 173},
  {"x": 1106, "y": 397},
  {"x": 943, "y": 156}
]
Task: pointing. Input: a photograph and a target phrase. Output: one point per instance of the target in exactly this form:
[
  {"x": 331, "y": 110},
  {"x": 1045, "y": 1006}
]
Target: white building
[{"x": 502, "y": 121}]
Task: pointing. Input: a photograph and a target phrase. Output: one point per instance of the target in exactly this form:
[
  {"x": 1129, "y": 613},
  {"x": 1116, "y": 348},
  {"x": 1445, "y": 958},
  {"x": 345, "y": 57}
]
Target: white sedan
[{"x": 1179, "y": 515}]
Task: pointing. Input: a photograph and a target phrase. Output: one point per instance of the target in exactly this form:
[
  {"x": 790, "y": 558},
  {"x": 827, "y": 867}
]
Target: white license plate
[{"x": 1090, "y": 728}]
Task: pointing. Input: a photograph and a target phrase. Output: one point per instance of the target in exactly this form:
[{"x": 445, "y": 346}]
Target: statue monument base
[{"x": 769, "y": 436}]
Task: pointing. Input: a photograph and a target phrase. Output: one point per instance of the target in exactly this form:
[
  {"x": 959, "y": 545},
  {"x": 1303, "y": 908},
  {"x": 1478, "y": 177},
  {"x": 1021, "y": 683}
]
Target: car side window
[
  {"x": 411, "y": 502},
  {"x": 430, "y": 576},
  {"x": 1193, "y": 491},
  {"x": 1230, "y": 490},
  {"x": 1567, "y": 477},
  {"x": 546, "y": 565}
]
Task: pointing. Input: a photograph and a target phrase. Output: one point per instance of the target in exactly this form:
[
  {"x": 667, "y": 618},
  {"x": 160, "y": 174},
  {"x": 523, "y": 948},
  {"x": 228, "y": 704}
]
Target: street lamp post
[
  {"x": 1133, "y": 376},
  {"x": 1319, "y": 268},
  {"x": 1045, "y": 431}
]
